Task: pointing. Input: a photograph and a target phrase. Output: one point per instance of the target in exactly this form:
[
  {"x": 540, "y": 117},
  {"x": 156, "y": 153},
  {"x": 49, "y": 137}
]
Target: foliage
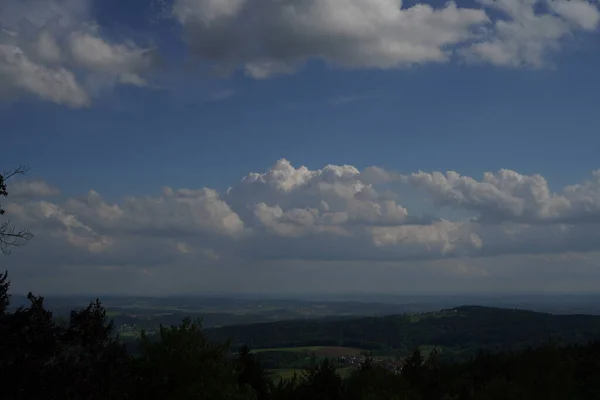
[
  {"x": 252, "y": 374},
  {"x": 41, "y": 359},
  {"x": 4, "y": 295},
  {"x": 182, "y": 364}
]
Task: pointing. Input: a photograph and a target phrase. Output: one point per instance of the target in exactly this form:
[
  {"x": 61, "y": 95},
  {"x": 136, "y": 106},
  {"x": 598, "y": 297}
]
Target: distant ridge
[{"x": 464, "y": 329}]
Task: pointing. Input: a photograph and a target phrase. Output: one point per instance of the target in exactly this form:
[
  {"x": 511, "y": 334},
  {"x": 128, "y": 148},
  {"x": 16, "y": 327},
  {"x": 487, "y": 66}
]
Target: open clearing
[
  {"x": 289, "y": 373},
  {"x": 129, "y": 335},
  {"x": 319, "y": 351}
]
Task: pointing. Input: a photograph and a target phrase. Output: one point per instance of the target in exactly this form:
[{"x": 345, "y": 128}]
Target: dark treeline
[
  {"x": 461, "y": 331},
  {"x": 80, "y": 358}
]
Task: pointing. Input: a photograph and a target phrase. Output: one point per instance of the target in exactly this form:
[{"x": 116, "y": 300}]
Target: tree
[
  {"x": 182, "y": 364},
  {"x": 321, "y": 381},
  {"x": 42, "y": 359},
  {"x": 9, "y": 235},
  {"x": 374, "y": 382},
  {"x": 90, "y": 358},
  {"x": 251, "y": 373},
  {"x": 27, "y": 343},
  {"x": 412, "y": 369},
  {"x": 4, "y": 295}
]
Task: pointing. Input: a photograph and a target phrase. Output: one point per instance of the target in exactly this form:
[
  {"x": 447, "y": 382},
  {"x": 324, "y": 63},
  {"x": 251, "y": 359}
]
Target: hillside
[{"x": 461, "y": 329}]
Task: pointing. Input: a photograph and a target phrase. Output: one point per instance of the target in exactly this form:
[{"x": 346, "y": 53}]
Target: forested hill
[{"x": 466, "y": 327}]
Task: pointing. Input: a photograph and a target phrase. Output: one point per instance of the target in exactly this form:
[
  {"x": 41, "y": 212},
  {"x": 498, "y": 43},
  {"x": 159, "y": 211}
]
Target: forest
[
  {"x": 80, "y": 358},
  {"x": 461, "y": 332}
]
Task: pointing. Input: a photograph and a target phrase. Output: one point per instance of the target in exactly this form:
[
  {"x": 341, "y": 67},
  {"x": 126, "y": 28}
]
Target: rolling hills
[{"x": 459, "y": 331}]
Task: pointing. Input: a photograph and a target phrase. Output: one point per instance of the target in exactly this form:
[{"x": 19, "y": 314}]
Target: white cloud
[
  {"x": 440, "y": 237},
  {"x": 20, "y": 74},
  {"x": 334, "y": 214},
  {"x": 125, "y": 61},
  {"x": 175, "y": 213},
  {"x": 274, "y": 37},
  {"x": 55, "y": 222},
  {"x": 333, "y": 195},
  {"x": 27, "y": 189},
  {"x": 580, "y": 13},
  {"x": 510, "y": 196},
  {"x": 525, "y": 35},
  {"x": 47, "y": 49},
  {"x": 271, "y": 37},
  {"x": 298, "y": 221},
  {"x": 52, "y": 49}
]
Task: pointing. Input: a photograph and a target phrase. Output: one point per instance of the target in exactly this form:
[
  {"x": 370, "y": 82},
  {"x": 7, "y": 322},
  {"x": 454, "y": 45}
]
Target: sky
[{"x": 302, "y": 146}]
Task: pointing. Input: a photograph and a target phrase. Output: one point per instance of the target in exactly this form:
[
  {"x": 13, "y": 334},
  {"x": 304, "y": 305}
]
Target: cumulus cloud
[
  {"x": 174, "y": 213},
  {"x": 331, "y": 196},
  {"x": 332, "y": 214},
  {"x": 28, "y": 189},
  {"x": 52, "y": 49},
  {"x": 55, "y": 223},
  {"x": 439, "y": 238},
  {"x": 126, "y": 61},
  {"x": 525, "y": 35},
  {"x": 271, "y": 37},
  {"x": 20, "y": 74},
  {"x": 510, "y": 196}
]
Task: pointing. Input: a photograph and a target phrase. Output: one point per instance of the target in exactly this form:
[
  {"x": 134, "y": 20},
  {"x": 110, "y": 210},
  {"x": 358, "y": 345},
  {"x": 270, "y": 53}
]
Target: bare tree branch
[
  {"x": 9, "y": 235},
  {"x": 20, "y": 170}
]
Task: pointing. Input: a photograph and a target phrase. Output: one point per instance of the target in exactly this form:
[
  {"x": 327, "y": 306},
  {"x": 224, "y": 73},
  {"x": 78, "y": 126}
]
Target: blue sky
[{"x": 192, "y": 94}]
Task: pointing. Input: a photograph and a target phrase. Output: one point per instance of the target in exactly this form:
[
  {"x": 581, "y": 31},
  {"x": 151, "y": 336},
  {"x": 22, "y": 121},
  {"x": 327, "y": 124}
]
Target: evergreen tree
[
  {"x": 182, "y": 364},
  {"x": 251, "y": 373}
]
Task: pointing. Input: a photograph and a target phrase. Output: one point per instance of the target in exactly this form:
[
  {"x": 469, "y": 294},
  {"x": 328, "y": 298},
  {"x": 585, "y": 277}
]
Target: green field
[
  {"x": 289, "y": 373},
  {"x": 284, "y": 373},
  {"x": 129, "y": 335},
  {"x": 112, "y": 313},
  {"x": 295, "y": 359},
  {"x": 295, "y": 349},
  {"x": 319, "y": 351}
]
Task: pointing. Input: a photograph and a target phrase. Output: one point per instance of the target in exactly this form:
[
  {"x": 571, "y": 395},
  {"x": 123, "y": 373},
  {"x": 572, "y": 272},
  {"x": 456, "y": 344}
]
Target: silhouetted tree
[
  {"x": 376, "y": 383},
  {"x": 412, "y": 369},
  {"x": 90, "y": 356},
  {"x": 321, "y": 381},
  {"x": 251, "y": 373},
  {"x": 4, "y": 295},
  {"x": 42, "y": 359},
  {"x": 432, "y": 385},
  {"x": 27, "y": 345},
  {"x": 9, "y": 235},
  {"x": 182, "y": 364}
]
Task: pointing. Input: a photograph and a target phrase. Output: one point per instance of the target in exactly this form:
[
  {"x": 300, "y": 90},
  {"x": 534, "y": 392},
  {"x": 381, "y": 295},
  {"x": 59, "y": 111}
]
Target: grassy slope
[{"x": 319, "y": 351}]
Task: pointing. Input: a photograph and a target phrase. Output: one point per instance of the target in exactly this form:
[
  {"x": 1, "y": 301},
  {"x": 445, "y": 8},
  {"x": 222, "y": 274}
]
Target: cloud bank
[
  {"x": 55, "y": 50},
  {"x": 291, "y": 214},
  {"x": 271, "y": 37}
]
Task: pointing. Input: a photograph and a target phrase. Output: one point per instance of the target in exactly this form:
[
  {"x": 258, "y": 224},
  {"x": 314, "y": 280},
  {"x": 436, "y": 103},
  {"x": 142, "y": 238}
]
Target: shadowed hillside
[{"x": 461, "y": 328}]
